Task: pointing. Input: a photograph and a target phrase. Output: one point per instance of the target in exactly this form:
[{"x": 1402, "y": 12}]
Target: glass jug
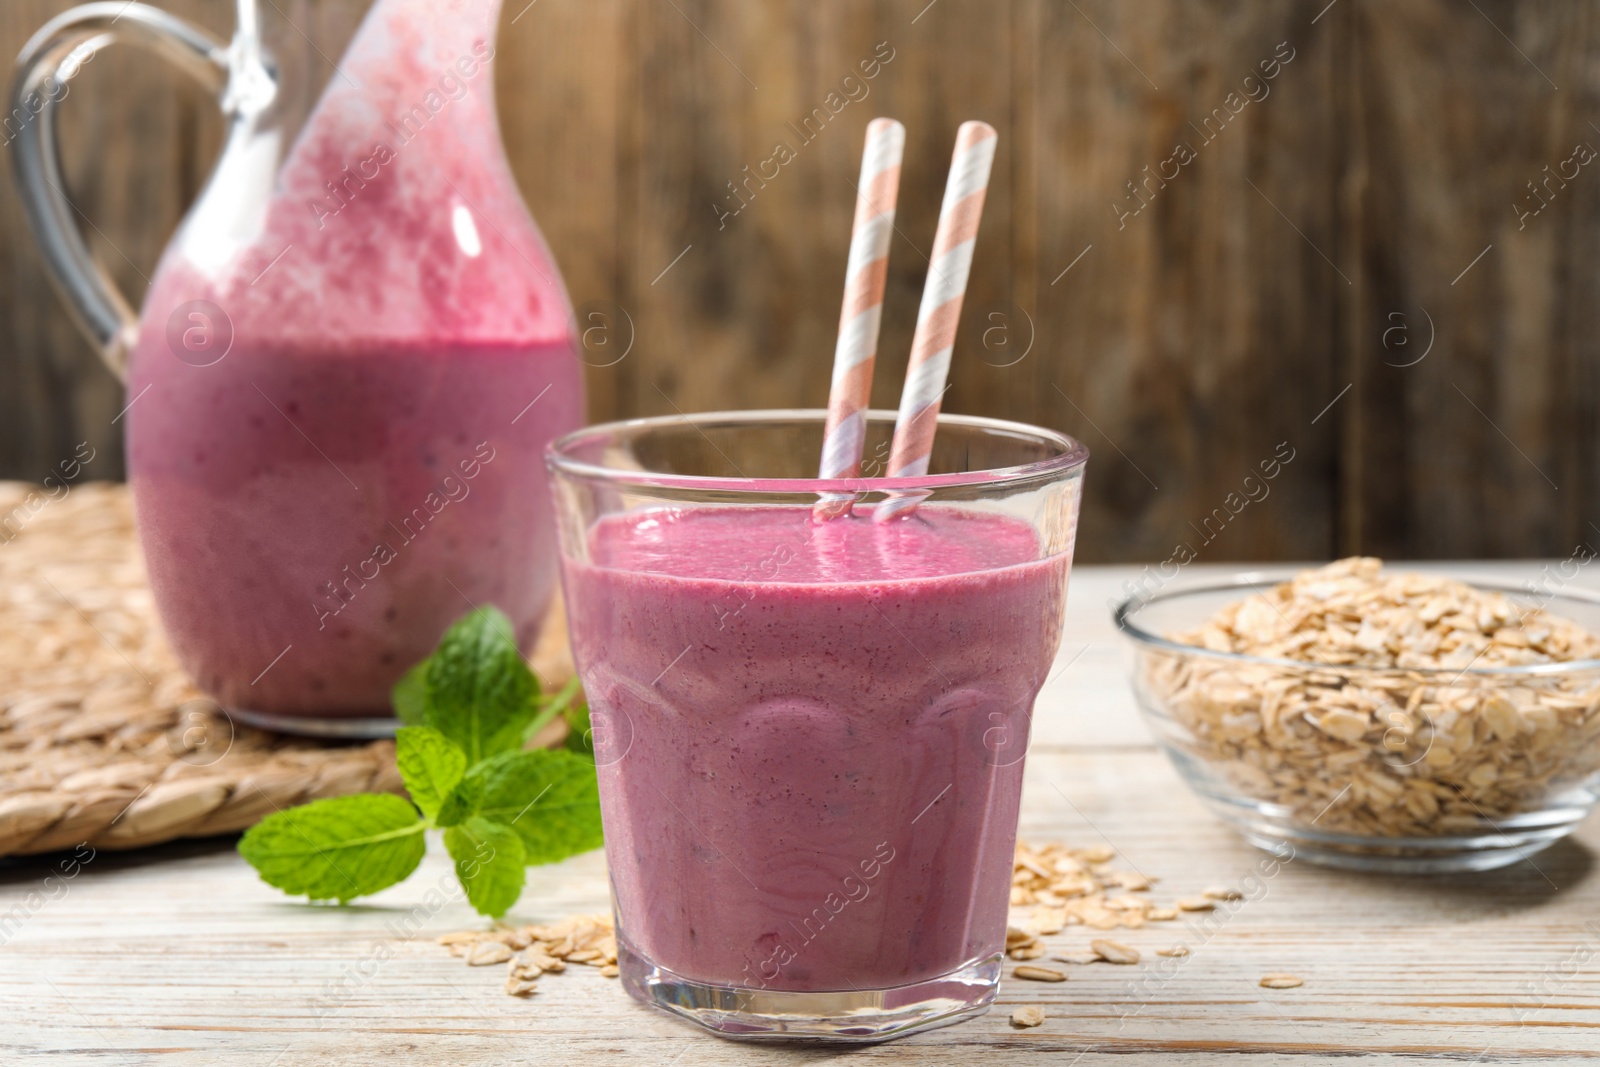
[{"x": 348, "y": 364}]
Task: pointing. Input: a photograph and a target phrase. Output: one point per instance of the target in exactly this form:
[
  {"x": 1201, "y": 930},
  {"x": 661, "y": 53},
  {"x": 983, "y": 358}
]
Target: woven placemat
[{"x": 103, "y": 737}]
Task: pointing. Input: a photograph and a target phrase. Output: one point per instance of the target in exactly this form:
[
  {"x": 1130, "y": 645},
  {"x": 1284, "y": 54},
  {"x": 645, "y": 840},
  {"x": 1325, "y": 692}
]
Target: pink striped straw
[
  {"x": 940, "y": 312},
  {"x": 862, "y": 312}
]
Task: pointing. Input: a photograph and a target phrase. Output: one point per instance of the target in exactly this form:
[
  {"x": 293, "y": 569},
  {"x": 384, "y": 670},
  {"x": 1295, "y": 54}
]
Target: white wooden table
[{"x": 178, "y": 955}]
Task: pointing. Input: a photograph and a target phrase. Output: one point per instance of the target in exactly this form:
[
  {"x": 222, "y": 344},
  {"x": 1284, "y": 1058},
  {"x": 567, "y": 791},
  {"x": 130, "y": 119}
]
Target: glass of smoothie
[{"x": 810, "y": 734}]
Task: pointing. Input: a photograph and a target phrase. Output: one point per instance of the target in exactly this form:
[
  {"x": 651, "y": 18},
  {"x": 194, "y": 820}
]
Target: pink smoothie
[
  {"x": 349, "y": 456},
  {"x": 811, "y": 736}
]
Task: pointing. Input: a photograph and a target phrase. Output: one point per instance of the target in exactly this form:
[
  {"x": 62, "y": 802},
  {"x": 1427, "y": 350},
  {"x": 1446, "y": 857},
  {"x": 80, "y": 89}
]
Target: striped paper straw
[
  {"x": 862, "y": 312},
  {"x": 940, "y": 312}
]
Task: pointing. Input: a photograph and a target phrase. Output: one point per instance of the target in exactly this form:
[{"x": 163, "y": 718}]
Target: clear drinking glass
[{"x": 810, "y": 735}]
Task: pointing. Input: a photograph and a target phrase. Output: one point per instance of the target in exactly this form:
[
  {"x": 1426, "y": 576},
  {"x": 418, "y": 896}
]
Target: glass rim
[
  {"x": 1249, "y": 580},
  {"x": 558, "y": 455}
]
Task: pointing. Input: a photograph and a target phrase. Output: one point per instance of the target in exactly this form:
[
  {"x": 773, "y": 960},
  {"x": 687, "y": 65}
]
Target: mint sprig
[
  {"x": 543, "y": 796},
  {"x": 431, "y": 765},
  {"x": 339, "y": 848},
  {"x": 489, "y": 862},
  {"x": 471, "y": 706},
  {"x": 478, "y": 690}
]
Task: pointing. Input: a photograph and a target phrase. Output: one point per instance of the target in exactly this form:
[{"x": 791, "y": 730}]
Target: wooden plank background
[{"x": 1363, "y": 211}]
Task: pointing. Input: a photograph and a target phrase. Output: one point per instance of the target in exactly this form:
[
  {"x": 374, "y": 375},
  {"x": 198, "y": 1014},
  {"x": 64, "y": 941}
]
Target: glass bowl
[{"x": 1390, "y": 769}]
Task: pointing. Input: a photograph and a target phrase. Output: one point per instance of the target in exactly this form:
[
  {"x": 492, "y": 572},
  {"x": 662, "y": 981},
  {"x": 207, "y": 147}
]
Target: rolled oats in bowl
[{"x": 1378, "y": 719}]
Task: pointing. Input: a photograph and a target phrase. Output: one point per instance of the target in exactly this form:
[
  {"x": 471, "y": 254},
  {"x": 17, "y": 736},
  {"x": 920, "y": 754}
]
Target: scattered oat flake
[
  {"x": 1129, "y": 880},
  {"x": 1195, "y": 904},
  {"x": 1280, "y": 981},
  {"x": 1027, "y": 952},
  {"x": 1115, "y": 951},
  {"x": 1175, "y": 950},
  {"x": 1029, "y": 1016},
  {"x": 1049, "y": 920},
  {"x": 537, "y": 958},
  {"x": 1040, "y": 974},
  {"x": 532, "y": 951},
  {"x": 485, "y": 953},
  {"x": 1016, "y": 936},
  {"x": 1076, "y": 957},
  {"x": 1222, "y": 892}
]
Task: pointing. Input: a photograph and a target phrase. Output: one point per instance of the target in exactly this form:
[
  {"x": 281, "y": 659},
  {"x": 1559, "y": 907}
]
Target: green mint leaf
[
  {"x": 430, "y": 764},
  {"x": 410, "y": 695},
  {"x": 550, "y": 798},
  {"x": 580, "y": 734},
  {"x": 462, "y": 801},
  {"x": 481, "y": 693},
  {"x": 339, "y": 848},
  {"x": 489, "y": 862}
]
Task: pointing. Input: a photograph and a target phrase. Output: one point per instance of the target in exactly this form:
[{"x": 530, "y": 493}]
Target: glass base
[
  {"x": 856, "y": 1015},
  {"x": 1482, "y": 851},
  {"x": 353, "y": 728}
]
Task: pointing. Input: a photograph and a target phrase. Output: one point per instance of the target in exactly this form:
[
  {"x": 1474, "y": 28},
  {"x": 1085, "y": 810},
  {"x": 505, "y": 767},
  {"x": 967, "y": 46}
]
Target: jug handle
[{"x": 46, "y": 66}]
